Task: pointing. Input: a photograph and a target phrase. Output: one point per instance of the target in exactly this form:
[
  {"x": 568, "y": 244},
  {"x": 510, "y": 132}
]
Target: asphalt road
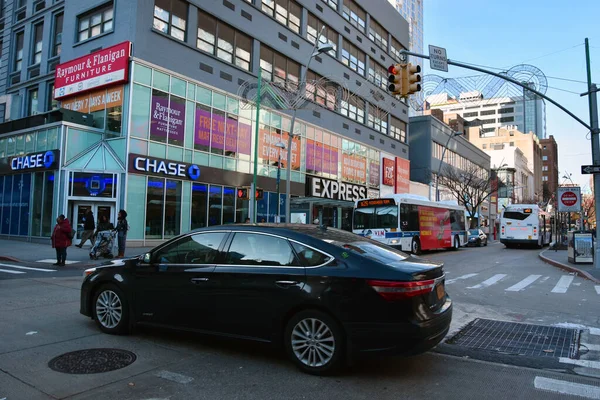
[{"x": 40, "y": 320}]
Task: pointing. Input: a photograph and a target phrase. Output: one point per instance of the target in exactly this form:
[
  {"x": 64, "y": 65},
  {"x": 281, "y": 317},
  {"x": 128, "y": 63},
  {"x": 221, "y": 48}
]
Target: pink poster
[
  {"x": 231, "y": 135},
  {"x": 218, "y": 132},
  {"x": 202, "y": 134},
  {"x": 244, "y": 138}
]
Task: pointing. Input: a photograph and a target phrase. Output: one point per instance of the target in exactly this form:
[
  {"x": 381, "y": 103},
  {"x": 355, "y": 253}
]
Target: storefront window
[
  {"x": 140, "y": 113},
  {"x": 273, "y": 207},
  {"x": 36, "y": 209},
  {"x": 228, "y": 205},
  {"x": 154, "y": 208},
  {"x": 173, "y": 209},
  {"x": 48, "y": 201},
  {"x": 242, "y": 211},
  {"x": 199, "y": 199},
  {"x": 215, "y": 204},
  {"x": 105, "y": 105},
  {"x": 177, "y": 121},
  {"x": 159, "y": 116},
  {"x": 202, "y": 131}
]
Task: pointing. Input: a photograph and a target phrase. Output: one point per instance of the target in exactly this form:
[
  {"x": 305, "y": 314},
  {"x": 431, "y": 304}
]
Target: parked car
[
  {"x": 325, "y": 294},
  {"x": 477, "y": 238}
]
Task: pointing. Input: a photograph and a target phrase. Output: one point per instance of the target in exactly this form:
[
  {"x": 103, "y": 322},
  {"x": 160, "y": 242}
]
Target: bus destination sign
[{"x": 376, "y": 202}]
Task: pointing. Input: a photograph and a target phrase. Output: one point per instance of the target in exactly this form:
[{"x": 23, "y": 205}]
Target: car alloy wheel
[
  {"x": 314, "y": 342},
  {"x": 110, "y": 310}
]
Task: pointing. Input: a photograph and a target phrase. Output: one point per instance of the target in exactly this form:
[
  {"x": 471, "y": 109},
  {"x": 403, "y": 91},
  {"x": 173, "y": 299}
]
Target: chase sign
[
  {"x": 166, "y": 168},
  {"x": 41, "y": 161}
]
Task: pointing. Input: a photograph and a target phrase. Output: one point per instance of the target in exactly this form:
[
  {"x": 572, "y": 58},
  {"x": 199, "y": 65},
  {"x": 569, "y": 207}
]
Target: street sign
[
  {"x": 590, "y": 169},
  {"x": 437, "y": 58},
  {"x": 569, "y": 199}
]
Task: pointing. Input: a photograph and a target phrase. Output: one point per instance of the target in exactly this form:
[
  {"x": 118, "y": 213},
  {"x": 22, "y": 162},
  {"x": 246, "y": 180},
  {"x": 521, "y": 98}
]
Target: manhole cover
[
  {"x": 518, "y": 339},
  {"x": 92, "y": 361}
]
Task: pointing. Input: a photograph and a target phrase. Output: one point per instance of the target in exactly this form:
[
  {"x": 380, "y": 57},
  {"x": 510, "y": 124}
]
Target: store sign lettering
[
  {"x": 43, "y": 160},
  {"x": 153, "y": 166},
  {"x": 328, "y": 189}
]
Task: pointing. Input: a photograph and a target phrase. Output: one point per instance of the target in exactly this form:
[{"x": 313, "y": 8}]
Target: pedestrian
[
  {"x": 122, "y": 228},
  {"x": 88, "y": 229},
  {"x": 61, "y": 239},
  {"x": 247, "y": 220},
  {"x": 104, "y": 225}
]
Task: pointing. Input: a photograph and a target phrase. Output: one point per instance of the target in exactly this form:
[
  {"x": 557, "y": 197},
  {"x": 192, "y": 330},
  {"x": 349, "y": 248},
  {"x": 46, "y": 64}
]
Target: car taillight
[
  {"x": 503, "y": 230},
  {"x": 391, "y": 290}
]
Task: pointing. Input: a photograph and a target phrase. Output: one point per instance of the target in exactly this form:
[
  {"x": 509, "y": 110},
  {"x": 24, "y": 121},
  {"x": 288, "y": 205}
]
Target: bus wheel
[
  {"x": 456, "y": 243},
  {"x": 415, "y": 246}
]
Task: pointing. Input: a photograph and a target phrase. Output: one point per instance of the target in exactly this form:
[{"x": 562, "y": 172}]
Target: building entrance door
[{"x": 81, "y": 208}]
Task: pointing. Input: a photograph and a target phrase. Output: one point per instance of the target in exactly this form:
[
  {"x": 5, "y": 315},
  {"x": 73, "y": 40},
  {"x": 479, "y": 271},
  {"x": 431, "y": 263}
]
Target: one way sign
[{"x": 590, "y": 169}]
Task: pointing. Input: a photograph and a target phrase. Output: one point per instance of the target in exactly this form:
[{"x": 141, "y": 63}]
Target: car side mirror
[{"x": 146, "y": 258}]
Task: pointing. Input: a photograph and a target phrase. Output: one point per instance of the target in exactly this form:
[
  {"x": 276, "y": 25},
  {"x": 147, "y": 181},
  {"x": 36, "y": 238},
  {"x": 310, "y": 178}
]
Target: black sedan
[
  {"x": 326, "y": 295},
  {"x": 477, "y": 238}
]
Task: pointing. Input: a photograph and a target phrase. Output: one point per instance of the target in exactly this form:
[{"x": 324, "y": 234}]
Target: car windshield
[{"x": 474, "y": 232}]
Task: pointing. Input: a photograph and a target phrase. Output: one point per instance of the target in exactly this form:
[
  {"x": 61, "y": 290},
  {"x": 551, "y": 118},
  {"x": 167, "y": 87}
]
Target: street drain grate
[
  {"x": 92, "y": 361},
  {"x": 518, "y": 339}
]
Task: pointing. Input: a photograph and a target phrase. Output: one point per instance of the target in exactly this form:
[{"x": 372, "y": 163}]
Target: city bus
[
  {"x": 411, "y": 223},
  {"x": 525, "y": 224}
]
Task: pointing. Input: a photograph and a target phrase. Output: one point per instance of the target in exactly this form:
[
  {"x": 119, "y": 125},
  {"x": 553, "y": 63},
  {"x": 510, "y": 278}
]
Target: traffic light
[
  {"x": 243, "y": 194},
  {"x": 395, "y": 79},
  {"x": 259, "y": 194},
  {"x": 410, "y": 79}
]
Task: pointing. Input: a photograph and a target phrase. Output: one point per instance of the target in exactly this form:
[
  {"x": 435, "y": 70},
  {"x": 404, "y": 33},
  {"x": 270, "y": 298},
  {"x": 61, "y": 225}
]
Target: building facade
[
  {"x": 521, "y": 186},
  {"x": 550, "y": 177},
  {"x": 157, "y": 112},
  {"x": 412, "y": 11},
  {"x": 527, "y": 113}
]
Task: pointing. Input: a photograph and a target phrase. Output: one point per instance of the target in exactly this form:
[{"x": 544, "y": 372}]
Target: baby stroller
[{"x": 104, "y": 245}]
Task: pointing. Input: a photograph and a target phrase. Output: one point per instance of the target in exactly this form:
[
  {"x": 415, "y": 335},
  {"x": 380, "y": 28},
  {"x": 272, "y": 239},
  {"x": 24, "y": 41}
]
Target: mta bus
[
  {"x": 525, "y": 224},
  {"x": 411, "y": 223}
]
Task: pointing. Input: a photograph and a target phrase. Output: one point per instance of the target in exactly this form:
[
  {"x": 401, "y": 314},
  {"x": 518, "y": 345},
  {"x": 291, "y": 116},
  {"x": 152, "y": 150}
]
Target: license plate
[{"x": 440, "y": 291}]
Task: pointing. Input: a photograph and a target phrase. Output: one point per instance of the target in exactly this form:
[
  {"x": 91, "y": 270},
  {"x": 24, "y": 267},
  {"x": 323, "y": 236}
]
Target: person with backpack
[
  {"x": 122, "y": 228},
  {"x": 61, "y": 239}
]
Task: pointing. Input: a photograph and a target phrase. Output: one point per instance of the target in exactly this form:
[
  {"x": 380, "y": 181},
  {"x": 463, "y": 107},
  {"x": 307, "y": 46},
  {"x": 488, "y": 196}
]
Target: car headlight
[{"x": 89, "y": 272}]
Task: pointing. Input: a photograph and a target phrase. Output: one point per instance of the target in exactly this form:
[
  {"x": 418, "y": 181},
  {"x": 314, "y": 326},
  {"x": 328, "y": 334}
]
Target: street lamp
[
  {"x": 280, "y": 146},
  {"x": 437, "y": 178},
  {"x": 318, "y": 48}
]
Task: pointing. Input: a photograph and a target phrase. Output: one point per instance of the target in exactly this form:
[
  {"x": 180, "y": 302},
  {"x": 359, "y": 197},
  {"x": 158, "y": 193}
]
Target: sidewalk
[
  {"x": 560, "y": 259},
  {"x": 28, "y": 252}
]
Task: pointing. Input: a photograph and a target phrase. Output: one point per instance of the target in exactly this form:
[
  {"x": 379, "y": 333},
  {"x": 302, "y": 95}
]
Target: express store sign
[
  {"x": 329, "y": 189},
  {"x": 41, "y": 161},
  {"x": 101, "y": 68},
  {"x": 166, "y": 168}
]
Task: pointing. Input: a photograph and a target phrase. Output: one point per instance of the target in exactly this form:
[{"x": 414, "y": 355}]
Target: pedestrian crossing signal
[
  {"x": 244, "y": 193},
  {"x": 259, "y": 194}
]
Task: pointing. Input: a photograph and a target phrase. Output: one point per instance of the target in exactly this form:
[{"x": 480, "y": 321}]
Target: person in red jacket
[{"x": 61, "y": 239}]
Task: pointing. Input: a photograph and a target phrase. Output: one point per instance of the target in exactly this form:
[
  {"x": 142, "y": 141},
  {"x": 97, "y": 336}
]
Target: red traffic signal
[
  {"x": 259, "y": 194},
  {"x": 243, "y": 193}
]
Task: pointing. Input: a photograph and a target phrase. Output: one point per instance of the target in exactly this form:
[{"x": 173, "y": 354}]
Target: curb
[
  {"x": 11, "y": 259},
  {"x": 567, "y": 267}
]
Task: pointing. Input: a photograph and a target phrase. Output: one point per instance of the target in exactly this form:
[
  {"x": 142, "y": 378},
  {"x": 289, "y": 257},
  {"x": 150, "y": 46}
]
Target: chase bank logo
[
  {"x": 48, "y": 159},
  {"x": 193, "y": 172}
]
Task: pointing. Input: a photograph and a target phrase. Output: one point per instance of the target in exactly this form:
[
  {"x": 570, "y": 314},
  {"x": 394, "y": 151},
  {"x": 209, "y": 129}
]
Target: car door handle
[
  {"x": 196, "y": 281},
  {"x": 286, "y": 283}
]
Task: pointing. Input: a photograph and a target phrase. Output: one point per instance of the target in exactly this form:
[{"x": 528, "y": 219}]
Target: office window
[
  {"x": 354, "y": 14},
  {"x": 32, "y": 101},
  {"x": 331, "y": 3},
  {"x": 170, "y": 17},
  {"x": 377, "y": 119},
  {"x": 57, "y": 38},
  {"x": 487, "y": 112},
  {"x": 545, "y": 168},
  {"x": 51, "y": 104},
  {"x": 506, "y": 110},
  {"x": 321, "y": 91},
  {"x": 470, "y": 114},
  {"x": 19, "y": 40},
  {"x": 484, "y": 146},
  {"x": 287, "y": 12},
  {"x": 20, "y": 3},
  {"x": 395, "y": 48},
  {"x": 353, "y": 58},
  {"x": 220, "y": 39},
  {"x": 397, "y": 129},
  {"x": 378, "y": 35},
  {"x": 36, "y": 56},
  {"x": 544, "y": 178},
  {"x": 277, "y": 68},
  {"x": 488, "y": 121},
  {"x": 95, "y": 22},
  {"x": 313, "y": 28},
  {"x": 378, "y": 74},
  {"x": 506, "y": 119},
  {"x": 544, "y": 158},
  {"x": 354, "y": 108}
]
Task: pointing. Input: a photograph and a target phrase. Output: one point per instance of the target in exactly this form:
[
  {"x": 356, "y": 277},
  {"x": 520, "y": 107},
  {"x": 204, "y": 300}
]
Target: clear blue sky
[{"x": 511, "y": 32}]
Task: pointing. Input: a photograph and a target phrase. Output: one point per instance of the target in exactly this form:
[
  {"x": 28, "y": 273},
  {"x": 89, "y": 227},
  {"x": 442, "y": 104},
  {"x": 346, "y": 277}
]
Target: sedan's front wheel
[
  {"x": 111, "y": 310},
  {"x": 315, "y": 342}
]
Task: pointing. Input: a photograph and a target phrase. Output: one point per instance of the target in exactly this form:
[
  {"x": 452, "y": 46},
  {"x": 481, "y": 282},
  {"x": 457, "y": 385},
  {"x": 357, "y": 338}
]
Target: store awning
[{"x": 319, "y": 201}]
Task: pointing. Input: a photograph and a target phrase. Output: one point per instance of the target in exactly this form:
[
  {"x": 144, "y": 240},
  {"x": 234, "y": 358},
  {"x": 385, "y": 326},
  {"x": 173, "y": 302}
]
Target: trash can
[{"x": 580, "y": 247}]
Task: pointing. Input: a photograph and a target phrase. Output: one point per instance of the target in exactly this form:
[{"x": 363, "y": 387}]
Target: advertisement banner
[
  {"x": 202, "y": 133},
  {"x": 389, "y": 172},
  {"x": 584, "y": 248},
  {"x": 374, "y": 174},
  {"x": 269, "y": 150},
  {"x": 569, "y": 199},
  {"x": 402, "y": 175},
  {"x": 217, "y": 137},
  {"x": 244, "y": 138},
  {"x": 231, "y": 138},
  {"x": 435, "y": 228},
  {"x": 321, "y": 158},
  {"x": 354, "y": 168},
  {"x": 97, "y": 100},
  {"x": 101, "y": 68},
  {"x": 165, "y": 117}
]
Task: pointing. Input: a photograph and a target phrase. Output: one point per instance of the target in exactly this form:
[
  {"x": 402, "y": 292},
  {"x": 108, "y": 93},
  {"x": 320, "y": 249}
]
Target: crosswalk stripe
[
  {"x": 28, "y": 268},
  {"x": 563, "y": 284},
  {"x": 591, "y": 347},
  {"x": 524, "y": 283},
  {"x": 467, "y": 276},
  {"x": 597, "y": 287},
  {"x": 8, "y": 271},
  {"x": 581, "y": 363},
  {"x": 493, "y": 280},
  {"x": 566, "y": 387}
]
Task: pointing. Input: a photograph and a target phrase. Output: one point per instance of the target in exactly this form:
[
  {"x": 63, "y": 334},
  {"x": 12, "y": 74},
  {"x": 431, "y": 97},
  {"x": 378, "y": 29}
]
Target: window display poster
[
  {"x": 354, "y": 168},
  {"x": 321, "y": 158},
  {"x": 374, "y": 174},
  {"x": 167, "y": 117},
  {"x": 435, "y": 229},
  {"x": 269, "y": 151},
  {"x": 402, "y": 175},
  {"x": 584, "y": 248},
  {"x": 244, "y": 138}
]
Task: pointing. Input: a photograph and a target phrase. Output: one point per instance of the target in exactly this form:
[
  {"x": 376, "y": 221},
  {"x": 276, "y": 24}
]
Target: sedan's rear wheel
[
  {"x": 111, "y": 310},
  {"x": 315, "y": 342}
]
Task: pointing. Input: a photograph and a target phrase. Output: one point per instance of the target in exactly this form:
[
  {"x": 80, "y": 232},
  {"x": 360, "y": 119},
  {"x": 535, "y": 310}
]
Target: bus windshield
[
  {"x": 516, "y": 215},
  {"x": 376, "y": 217}
]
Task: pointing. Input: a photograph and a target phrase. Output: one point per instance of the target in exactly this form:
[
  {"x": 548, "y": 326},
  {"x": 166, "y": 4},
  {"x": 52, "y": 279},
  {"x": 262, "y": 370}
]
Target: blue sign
[
  {"x": 95, "y": 185},
  {"x": 193, "y": 172},
  {"x": 45, "y": 160}
]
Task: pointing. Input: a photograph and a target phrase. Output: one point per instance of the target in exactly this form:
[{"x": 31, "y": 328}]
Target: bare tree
[
  {"x": 588, "y": 208},
  {"x": 470, "y": 187}
]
